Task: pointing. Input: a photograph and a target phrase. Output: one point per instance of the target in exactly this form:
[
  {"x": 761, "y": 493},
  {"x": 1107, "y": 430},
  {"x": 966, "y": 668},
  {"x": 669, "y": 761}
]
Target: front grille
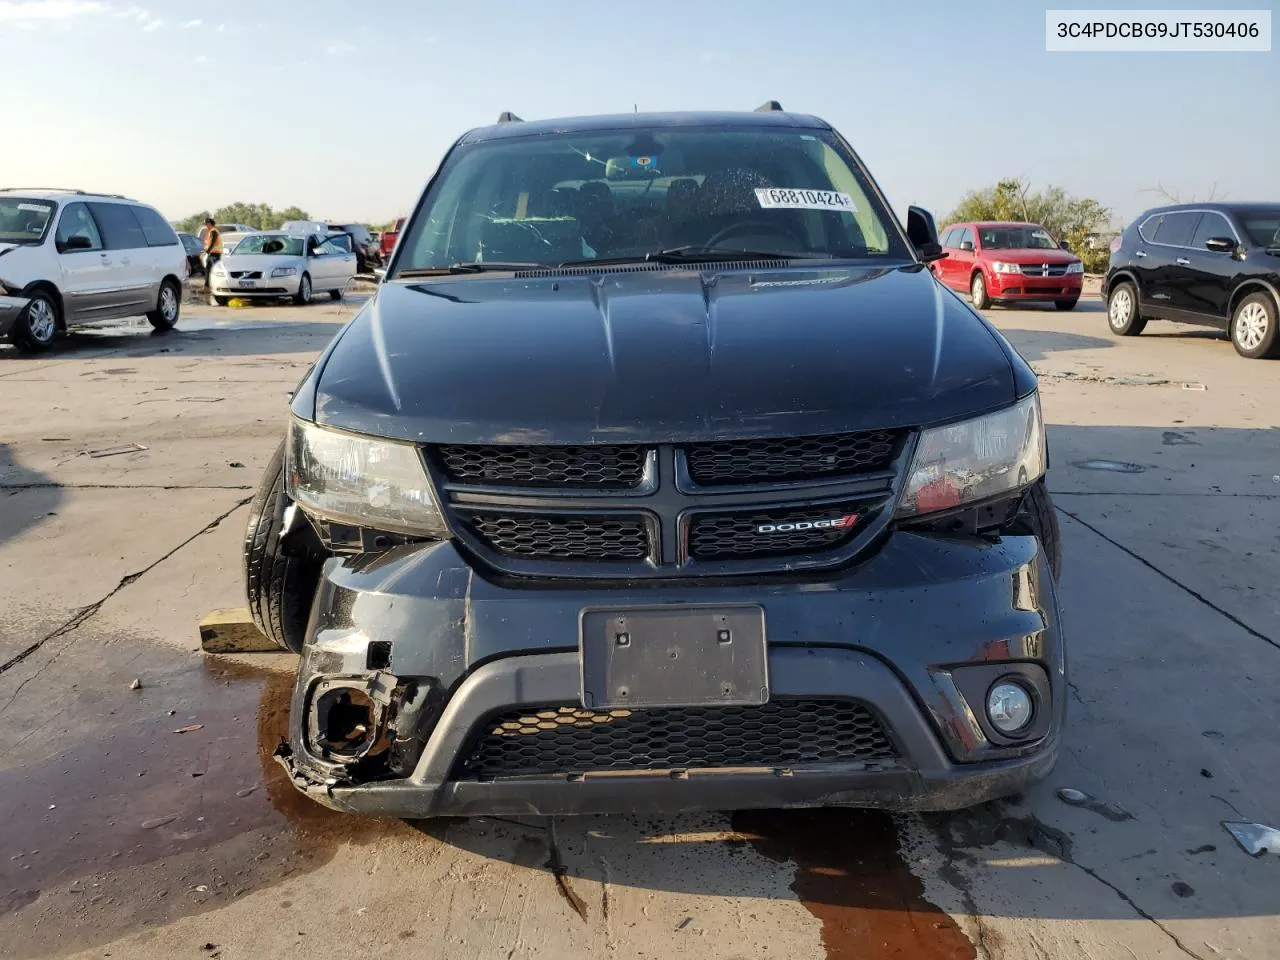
[
  {"x": 589, "y": 467},
  {"x": 1044, "y": 269},
  {"x": 739, "y": 535},
  {"x": 790, "y": 459},
  {"x": 246, "y": 274},
  {"x": 608, "y": 538},
  {"x": 570, "y": 740}
]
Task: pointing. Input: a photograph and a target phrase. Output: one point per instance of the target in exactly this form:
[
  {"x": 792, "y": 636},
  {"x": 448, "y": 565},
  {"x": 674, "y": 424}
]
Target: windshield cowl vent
[{"x": 719, "y": 266}]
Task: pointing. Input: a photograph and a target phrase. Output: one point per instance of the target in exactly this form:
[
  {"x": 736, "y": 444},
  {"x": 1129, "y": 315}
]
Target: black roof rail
[
  {"x": 508, "y": 117},
  {"x": 769, "y": 106}
]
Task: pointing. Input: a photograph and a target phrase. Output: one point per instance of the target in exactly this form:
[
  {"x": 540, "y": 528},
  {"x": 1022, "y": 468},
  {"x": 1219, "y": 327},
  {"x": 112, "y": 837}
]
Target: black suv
[
  {"x": 660, "y": 474},
  {"x": 1216, "y": 264}
]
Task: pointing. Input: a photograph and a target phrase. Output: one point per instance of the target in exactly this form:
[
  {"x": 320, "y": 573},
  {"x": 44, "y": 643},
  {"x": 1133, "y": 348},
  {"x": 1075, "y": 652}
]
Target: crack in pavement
[
  {"x": 1172, "y": 579},
  {"x": 78, "y": 619},
  {"x": 1030, "y": 831}
]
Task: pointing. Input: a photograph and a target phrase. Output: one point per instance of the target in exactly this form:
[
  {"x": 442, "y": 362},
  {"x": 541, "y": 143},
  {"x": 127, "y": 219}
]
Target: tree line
[{"x": 260, "y": 216}]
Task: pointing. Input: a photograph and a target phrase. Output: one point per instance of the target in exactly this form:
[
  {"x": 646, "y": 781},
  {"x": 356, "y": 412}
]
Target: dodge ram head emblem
[{"x": 848, "y": 520}]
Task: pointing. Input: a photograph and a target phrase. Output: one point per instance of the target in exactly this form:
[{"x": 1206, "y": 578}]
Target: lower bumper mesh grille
[{"x": 782, "y": 733}]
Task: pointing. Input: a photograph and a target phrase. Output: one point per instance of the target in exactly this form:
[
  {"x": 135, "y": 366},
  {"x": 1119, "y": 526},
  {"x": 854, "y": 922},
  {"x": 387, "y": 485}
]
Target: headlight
[
  {"x": 1077, "y": 267},
  {"x": 976, "y": 460},
  {"x": 362, "y": 481},
  {"x": 284, "y": 271},
  {"x": 219, "y": 270},
  {"x": 1000, "y": 266}
]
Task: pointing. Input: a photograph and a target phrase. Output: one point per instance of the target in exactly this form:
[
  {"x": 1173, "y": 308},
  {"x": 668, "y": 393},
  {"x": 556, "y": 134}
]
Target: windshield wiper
[
  {"x": 478, "y": 266},
  {"x": 693, "y": 254}
]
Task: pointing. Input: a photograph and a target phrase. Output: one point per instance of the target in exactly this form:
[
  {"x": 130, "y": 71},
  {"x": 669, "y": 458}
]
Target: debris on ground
[
  {"x": 1078, "y": 798},
  {"x": 233, "y": 631},
  {"x": 235, "y": 464},
  {"x": 1255, "y": 839},
  {"x": 1073, "y": 797},
  {"x": 1194, "y": 385},
  {"x": 1183, "y": 890},
  {"x": 1115, "y": 466},
  {"x": 190, "y": 729},
  {"x": 684, "y": 923},
  {"x": 158, "y": 821},
  {"x": 116, "y": 451},
  {"x": 136, "y": 685}
]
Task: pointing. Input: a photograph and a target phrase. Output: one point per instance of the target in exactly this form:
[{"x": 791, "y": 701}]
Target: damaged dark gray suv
[{"x": 660, "y": 474}]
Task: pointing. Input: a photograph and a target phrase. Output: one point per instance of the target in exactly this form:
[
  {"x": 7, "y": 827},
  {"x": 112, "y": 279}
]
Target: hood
[
  {"x": 260, "y": 261},
  {"x": 660, "y": 356},
  {"x": 1031, "y": 256}
]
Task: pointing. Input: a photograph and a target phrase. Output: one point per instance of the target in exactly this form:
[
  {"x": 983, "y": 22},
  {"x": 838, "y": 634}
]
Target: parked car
[
  {"x": 387, "y": 241},
  {"x": 999, "y": 262},
  {"x": 1213, "y": 264},
  {"x": 366, "y": 251},
  {"x": 194, "y": 249},
  {"x": 659, "y": 483},
  {"x": 278, "y": 264},
  {"x": 77, "y": 257}
]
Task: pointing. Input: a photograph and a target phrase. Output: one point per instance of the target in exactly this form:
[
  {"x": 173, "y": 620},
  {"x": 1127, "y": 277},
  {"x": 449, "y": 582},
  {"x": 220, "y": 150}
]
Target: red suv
[{"x": 1009, "y": 261}]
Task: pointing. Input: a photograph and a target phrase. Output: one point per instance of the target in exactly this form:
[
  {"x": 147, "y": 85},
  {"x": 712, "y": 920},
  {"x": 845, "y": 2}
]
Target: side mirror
[
  {"x": 966, "y": 246},
  {"x": 1221, "y": 244},
  {"x": 77, "y": 242},
  {"x": 1064, "y": 245},
  {"x": 922, "y": 231},
  {"x": 380, "y": 273}
]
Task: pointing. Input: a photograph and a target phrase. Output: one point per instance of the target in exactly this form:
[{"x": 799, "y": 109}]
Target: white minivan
[{"x": 77, "y": 257}]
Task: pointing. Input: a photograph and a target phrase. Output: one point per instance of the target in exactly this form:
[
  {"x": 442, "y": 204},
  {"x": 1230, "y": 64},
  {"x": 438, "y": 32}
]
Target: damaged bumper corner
[{"x": 10, "y": 310}]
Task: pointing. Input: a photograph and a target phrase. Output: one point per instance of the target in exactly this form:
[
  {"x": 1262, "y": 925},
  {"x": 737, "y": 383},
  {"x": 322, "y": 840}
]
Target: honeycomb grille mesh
[
  {"x": 566, "y": 740},
  {"x": 738, "y": 535},
  {"x": 585, "y": 467},
  {"x": 791, "y": 459},
  {"x": 569, "y": 537}
]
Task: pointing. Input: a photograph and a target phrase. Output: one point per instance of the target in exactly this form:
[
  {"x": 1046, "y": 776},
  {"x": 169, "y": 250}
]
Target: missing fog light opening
[
  {"x": 345, "y": 722},
  {"x": 1009, "y": 707}
]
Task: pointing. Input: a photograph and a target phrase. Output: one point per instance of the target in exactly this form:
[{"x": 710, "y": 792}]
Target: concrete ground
[{"x": 150, "y": 823}]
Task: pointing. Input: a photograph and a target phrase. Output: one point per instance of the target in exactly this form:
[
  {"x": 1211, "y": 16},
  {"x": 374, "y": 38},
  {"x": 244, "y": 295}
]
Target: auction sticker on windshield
[{"x": 783, "y": 198}]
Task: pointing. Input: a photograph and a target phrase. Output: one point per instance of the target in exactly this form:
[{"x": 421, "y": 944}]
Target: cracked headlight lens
[
  {"x": 362, "y": 481},
  {"x": 976, "y": 460}
]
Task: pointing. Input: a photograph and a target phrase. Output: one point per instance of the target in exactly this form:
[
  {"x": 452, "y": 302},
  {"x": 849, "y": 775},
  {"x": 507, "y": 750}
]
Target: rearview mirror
[
  {"x": 1221, "y": 244},
  {"x": 922, "y": 231}
]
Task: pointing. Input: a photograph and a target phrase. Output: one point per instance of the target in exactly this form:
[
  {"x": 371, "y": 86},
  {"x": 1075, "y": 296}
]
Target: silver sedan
[{"x": 280, "y": 264}]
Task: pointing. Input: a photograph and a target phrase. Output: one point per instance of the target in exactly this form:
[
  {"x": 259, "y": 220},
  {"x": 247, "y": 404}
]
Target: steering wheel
[{"x": 749, "y": 226}]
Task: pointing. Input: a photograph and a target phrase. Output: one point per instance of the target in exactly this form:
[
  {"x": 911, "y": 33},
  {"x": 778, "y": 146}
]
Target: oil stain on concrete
[
  {"x": 141, "y": 825},
  {"x": 851, "y": 876}
]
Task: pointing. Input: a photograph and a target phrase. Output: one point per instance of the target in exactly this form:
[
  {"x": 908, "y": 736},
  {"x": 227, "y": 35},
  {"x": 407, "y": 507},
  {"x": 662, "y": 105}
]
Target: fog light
[{"x": 1009, "y": 707}]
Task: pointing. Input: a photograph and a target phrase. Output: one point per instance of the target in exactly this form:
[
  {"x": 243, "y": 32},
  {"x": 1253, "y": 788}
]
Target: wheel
[
  {"x": 1253, "y": 327},
  {"x": 167, "y": 306},
  {"x": 1066, "y": 304},
  {"x": 978, "y": 291},
  {"x": 303, "y": 296},
  {"x": 279, "y": 588},
  {"x": 1122, "y": 310},
  {"x": 38, "y": 323},
  {"x": 335, "y": 294},
  {"x": 1038, "y": 517},
  {"x": 219, "y": 301}
]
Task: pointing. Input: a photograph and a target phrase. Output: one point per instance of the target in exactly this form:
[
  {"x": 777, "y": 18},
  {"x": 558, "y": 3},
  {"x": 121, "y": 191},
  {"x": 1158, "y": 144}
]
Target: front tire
[
  {"x": 978, "y": 292},
  {"x": 303, "y": 296},
  {"x": 168, "y": 306},
  {"x": 1253, "y": 327},
  {"x": 279, "y": 588},
  {"x": 38, "y": 324},
  {"x": 1122, "y": 310},
  {"x": 1066, "y": 304}
]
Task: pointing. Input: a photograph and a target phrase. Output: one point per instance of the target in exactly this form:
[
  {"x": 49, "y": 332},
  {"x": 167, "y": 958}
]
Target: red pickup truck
[{"x": 389, "y": 237}]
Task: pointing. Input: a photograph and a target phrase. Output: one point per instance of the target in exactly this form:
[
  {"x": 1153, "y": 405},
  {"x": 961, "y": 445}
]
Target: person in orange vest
[{"x": 212, "y": 248}]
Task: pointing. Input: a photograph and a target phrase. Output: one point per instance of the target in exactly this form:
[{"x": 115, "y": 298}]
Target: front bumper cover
[{"x": 433, "y": 641}]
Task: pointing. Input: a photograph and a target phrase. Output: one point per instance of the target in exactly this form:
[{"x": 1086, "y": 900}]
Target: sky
[{"x": 345, "y": 109}]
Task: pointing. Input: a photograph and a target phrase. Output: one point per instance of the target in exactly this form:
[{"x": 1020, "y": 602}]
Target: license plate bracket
[{"x": 673, "y": 656}]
